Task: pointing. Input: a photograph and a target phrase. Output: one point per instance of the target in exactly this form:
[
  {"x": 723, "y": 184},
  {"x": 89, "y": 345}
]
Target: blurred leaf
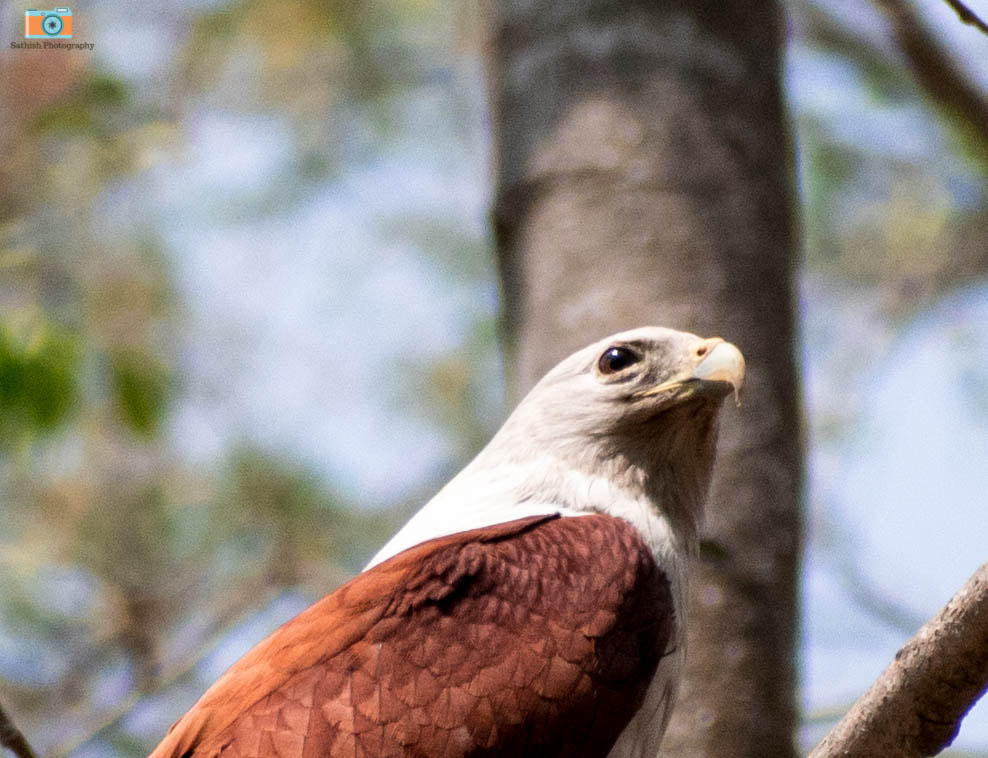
[
  {"x": 87, "y": 107},
  {"x": 38, "y": 376},
  {"x": 101, "y": 90},
  {"x": 142, "y": 389}
]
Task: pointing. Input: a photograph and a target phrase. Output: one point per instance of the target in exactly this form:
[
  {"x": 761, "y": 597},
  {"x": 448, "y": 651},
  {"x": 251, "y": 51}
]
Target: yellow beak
[{"x": 718, "y": 361}]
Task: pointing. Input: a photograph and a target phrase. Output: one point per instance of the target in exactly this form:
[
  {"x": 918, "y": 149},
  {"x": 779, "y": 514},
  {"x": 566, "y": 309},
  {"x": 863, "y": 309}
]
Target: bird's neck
[
  {"x": 657, "y": 493},
  {"x": 656, "y": 476}
]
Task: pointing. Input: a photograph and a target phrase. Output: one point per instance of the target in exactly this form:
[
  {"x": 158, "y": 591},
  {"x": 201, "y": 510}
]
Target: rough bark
[
  {"x": 644, "y": 177},
  {"x": 916, "y": 706}
]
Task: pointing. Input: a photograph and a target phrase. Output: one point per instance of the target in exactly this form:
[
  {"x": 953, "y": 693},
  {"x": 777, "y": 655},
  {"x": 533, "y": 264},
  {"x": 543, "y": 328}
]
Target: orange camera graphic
[{"x": 53, "y": 24}]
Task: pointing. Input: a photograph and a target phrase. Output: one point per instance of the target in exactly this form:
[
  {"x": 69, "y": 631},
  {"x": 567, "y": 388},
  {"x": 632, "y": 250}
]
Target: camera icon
[{"x": 55, "y": 23}]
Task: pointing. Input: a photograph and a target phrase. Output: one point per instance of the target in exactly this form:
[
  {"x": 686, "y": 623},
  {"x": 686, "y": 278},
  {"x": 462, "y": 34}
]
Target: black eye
[{"x": 615, "y": 359}]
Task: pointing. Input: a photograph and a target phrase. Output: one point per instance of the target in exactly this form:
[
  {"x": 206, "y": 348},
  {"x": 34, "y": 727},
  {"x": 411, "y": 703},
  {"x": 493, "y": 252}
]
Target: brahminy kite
[{"x": 535, "y": 606}]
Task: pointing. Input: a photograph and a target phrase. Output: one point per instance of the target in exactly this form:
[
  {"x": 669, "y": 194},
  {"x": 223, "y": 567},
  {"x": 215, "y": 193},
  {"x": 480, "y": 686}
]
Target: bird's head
[
  {"x": 637, "y": 409},
  {"x": 634, "y": 377},
  {"x": 634, "y": 384}
]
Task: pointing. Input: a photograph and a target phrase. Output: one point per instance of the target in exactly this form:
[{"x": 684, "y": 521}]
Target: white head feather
[{"x": 635, "y": 442}]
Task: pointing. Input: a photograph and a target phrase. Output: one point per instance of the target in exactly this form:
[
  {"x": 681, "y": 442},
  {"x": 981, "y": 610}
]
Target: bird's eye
[{"x": 615, "y": 359}]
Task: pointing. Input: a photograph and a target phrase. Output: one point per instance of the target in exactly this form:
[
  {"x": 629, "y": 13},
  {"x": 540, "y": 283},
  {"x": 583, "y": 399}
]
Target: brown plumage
[
  {"x": 533, "y": 607},
  {"x": 537, "y": 637}
]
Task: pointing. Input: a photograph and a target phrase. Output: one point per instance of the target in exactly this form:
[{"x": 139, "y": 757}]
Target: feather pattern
[{"x": 536, "y": 637}]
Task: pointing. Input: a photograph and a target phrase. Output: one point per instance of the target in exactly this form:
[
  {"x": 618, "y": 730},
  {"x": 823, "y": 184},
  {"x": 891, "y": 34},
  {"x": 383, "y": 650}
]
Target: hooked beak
[
  {"x": 717, "y": 362},
  {"x": 723, "y": 363}
]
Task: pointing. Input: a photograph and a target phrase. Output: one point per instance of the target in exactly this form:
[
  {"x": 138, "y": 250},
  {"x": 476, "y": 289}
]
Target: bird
[{"x": 536, "y": 606}]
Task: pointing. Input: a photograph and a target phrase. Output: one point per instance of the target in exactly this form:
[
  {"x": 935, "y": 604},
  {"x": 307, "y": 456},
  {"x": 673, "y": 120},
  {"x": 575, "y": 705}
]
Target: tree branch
[
  {"x": 12, "y": 739},
  {"x": 916, "y": 706},
  {"x": 939, "y": 77},
  {"x": 967, "y": 15}
]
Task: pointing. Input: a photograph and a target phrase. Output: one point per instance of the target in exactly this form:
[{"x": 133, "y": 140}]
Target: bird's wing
[{"x": 533, "y": 637}]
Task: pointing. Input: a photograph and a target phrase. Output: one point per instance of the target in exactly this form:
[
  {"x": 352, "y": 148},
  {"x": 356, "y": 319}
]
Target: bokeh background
[{"x": 248, "y": 325}]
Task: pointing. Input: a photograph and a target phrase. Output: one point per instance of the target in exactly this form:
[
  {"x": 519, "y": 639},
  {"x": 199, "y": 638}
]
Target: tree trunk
[{"x": 644, "y": 177}]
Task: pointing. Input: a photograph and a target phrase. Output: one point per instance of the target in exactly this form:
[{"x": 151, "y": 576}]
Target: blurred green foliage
[
  {"x": 38, "y": 380},
  {"x": 142, "y": 386},
  {"x": 87, "y": 109}
]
